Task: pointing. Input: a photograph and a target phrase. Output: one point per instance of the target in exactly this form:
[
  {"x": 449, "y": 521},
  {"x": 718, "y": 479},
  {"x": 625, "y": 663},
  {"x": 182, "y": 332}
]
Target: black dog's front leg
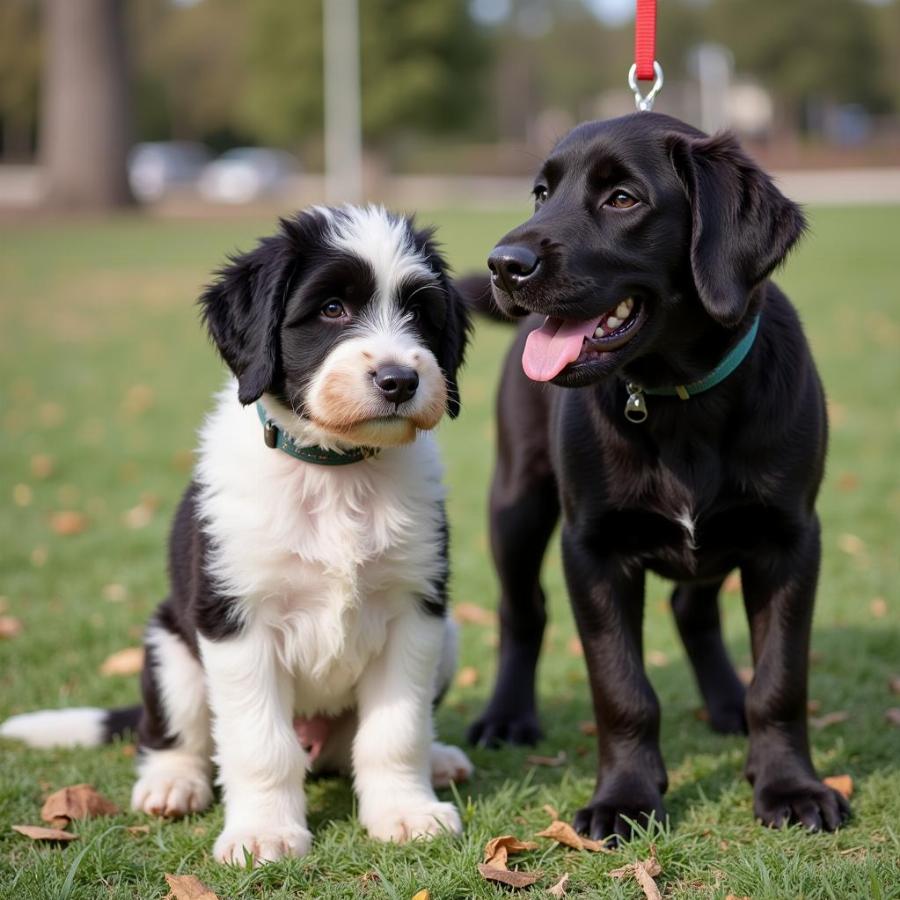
[
  {"x": 779, "y": 592},
  {"x": 608, "y": 600}
]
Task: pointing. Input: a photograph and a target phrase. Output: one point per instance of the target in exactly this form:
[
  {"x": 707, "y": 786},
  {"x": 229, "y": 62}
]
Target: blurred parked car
[
  {"x": 156, "y": 168},
  {"x": 247, "y": 173}
]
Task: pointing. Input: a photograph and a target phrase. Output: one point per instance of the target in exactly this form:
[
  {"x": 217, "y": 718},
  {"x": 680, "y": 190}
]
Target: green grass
[{"x": 103, "y": 368}]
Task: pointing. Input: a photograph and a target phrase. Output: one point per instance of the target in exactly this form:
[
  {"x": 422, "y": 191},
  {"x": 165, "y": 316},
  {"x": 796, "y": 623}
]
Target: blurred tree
[
  {"x": 20, "y": 63},
  {"x": 421, "y": 66},
  {"x": 804, "y": 51},
  {"x": 85, "y": 111}
]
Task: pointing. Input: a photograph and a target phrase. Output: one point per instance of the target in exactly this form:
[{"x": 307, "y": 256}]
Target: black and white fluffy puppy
[{"x": 307, "y": 597}]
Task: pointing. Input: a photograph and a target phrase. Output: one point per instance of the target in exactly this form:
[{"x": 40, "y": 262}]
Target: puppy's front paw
[
  {"x": 422, "y": 820},
  {"x": 800, "y": 800},
  {"x": 449, "y": 765},
  {"x": 171, "y": 794},
  {"x": 265, "y": 843},
  {"x": 610, "y": 814}
]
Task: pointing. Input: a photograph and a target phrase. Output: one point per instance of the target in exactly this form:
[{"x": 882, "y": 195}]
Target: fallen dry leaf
[
  {"x": 115, "y": 593},
  {"x": 498, "y": 850},
  {"x": 468, "y": 675},
  {"x": 894, "y": 684},
  {"x": 39, "y": 833},
  {"x": 80, "y": 801},
  {"x": 424, "y": 894},
  {"x": 563, "y": 833},
  {"x": 129, "y": 661},
  {"x": 813, "y": 706},
  {"x": 643, "y": 871},
  {"x": 139, "y": 516},
  {"x": 878, "y": 607},
  {"x": 516, "y": 879},
  {"x": 656, "y": 659},
  {"x": 471, "y": 614},
  {"x": 559, "y": 889},
  {"x": 551, "y": 810},
  {"x": 852, "y": 544},
  {"x": 68, "y": 522},
  {"x": 9, "y": 627},
  {"x": 138, "y": 399},
  {"x": 847, "y": 481},
  {"x": 735, "y": 897},
  {"x": 138, "y": 829},
  {"x": 843, "y": 784},
  {"x": 552, "y": 762},
  {"x": 41, "y": 465},
  {"x": 587, "y": 727},
  {"x": 892, "y": 715},
  {"x": 22, "y": 495},
  {"x": 574, "y": 647},
  {"x": 732, "y": 583},
  {"x": 832, "y": 718},
  {"x": 188, "y": 887}
]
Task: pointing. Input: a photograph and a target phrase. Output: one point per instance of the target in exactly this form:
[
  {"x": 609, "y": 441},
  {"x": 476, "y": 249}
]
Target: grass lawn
[{"x": 104, "y": 378}]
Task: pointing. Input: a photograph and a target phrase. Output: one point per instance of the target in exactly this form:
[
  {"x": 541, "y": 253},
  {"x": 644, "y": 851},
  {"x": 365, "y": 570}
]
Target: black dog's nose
[
  {"x": 512, "y": 265},
  {"x": 397, "y": 383}
]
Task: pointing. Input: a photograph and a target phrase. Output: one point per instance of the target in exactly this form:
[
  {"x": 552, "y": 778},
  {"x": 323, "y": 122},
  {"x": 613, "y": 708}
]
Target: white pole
[{"x": 343, "y": 130}]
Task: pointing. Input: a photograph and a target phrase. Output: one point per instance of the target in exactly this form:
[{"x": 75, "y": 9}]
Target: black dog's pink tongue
[{"x": 550, "y": 348}]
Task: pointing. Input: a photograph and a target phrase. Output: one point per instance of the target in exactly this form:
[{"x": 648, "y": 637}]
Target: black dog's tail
[
  {"x": 81, "y": 726},
  {"x": 475, "y": 290}
]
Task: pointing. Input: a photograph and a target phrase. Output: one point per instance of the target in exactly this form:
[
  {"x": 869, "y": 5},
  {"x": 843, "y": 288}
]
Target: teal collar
[
  {"x": 636, "y": 406},
  {"x": 278, "y": 439}
]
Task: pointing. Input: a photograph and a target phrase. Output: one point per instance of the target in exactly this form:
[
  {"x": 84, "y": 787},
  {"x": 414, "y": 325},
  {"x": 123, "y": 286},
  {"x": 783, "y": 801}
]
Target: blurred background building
[{"x": 221, "y": 101}]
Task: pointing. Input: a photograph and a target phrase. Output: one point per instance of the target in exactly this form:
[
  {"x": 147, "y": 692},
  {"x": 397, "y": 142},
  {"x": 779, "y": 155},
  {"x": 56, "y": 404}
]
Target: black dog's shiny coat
[{"x": 727, "y": 479}]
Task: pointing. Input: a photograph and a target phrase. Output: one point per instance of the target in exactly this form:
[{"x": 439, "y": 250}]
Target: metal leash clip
[{"x": 644, "y": 102}]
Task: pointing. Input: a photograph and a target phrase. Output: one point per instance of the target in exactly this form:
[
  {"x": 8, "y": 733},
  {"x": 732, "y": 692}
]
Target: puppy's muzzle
[
  {"x": 512, "y": 265},
  {"x": 397, "y": 384}
]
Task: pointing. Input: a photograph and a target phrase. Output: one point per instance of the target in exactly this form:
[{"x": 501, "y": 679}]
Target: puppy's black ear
[
  {"x": 742, "y": 225},
  {"x": 453, "y": 345},
  {"x": 243, "y": 309}
]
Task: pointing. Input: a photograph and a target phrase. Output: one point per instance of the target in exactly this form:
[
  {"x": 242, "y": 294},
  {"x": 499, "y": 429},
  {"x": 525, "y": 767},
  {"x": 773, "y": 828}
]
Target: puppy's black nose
[
  {"x": 512, "y": 265},
  {"x": 396, "y": 383}
]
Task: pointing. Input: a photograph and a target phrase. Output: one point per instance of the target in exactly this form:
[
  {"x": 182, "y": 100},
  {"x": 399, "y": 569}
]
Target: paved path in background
[{"x": 20, "y": 189}]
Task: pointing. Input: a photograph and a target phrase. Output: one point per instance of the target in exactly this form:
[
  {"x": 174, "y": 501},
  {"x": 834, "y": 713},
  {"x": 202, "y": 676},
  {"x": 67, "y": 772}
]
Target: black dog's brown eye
[
  {"x": 540, "y": 194},
  {"x": 622, "y": 200},
  {"x": 333, "y": 309}
]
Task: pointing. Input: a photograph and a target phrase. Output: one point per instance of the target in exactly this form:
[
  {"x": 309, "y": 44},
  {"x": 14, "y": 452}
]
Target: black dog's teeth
[{"x": 615, "y": 318}]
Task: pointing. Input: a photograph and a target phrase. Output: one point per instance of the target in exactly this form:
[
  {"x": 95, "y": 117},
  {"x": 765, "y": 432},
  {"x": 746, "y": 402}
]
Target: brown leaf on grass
[
  {"x": 852, "y": 544},
  {"x": 551, "y": 762},
  {"x": 732, "y": 584},
  {"x": 39, "y": 833},
  {"x": 139, "y": 516},
  {"x": 587, "y": 727},
  {"x": 472, "y": 614},
  {"x": 498, "y": 850},
  {"x": 656, "y": 659},
  {"x": 643, "y": 871},
  {"x": 114, "y": 592},
  {"x": 80, "y": 801},
  {"x": 551, "y": 810},
  {"x": 878, "y": 607},
  {"x": 735, "y": 897},
  {"x": 847, "y": 481},
  {"x": 9, "y": 627},
  {"x": 129, "y": 661},
  {"x": 894, "y": 684},
  {"x": 188, "y": 887},
  {"x": 843, "y": 784},
  {"x": 42, "y": 465},
  {"x": 832, "y": 718},
  {"x": 813, "y": 706},
  {"x": 892, "y": 715},
  {"x": 424, "y": 894},
  {"x": 573, "y": 646},
  {"x": 563, "y": 833},
  {"x": 138, "y": 399},
  {"x": 22, "y": 495},
  {"x": 516, "y": 879},
  {"x": 559, "y": 889},
  {"x": 138, "y": 829},
  {"x": 468, "y": 676},
  {"x": 68, "y": 522}
]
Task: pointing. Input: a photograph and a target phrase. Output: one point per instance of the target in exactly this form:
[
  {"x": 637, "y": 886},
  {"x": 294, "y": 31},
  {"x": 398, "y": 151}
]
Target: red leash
[
  {"x": 645, "y": 39},
  {"x": 645, "y": 67}
]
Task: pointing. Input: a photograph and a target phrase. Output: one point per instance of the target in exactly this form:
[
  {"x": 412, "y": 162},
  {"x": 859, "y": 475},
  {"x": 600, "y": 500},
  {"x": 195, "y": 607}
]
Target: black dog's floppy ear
[
  {"x": 455, "y": 334},
  {"x": 243, "y": 310},
  {"x": 742, "y": 225}
]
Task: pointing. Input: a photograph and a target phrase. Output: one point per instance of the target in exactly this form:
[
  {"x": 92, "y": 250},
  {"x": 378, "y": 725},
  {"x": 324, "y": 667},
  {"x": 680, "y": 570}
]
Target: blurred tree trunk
[{"x": 85, "y": 127}]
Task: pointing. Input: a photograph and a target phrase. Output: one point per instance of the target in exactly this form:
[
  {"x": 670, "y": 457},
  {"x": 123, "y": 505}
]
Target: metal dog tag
[
  {"x": 635, "y": 406},
  {"x": 270, "y": 434}
]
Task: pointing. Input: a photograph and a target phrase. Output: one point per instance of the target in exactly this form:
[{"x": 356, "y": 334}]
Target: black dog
[{"x": 645, "y": 266}]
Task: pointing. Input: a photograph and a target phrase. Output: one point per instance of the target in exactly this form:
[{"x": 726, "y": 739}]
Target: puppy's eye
[
  {"x": 541, "y": 193},
  {"x": 622, "y": 200},
  {"x": 333, "y": 309}
]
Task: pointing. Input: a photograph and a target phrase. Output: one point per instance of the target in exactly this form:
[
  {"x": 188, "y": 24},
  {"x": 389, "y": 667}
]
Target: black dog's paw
[
  {"x": 611, "y": 817},
  {"x": 494, "y": 729},
  {"x": 727, "y": 716},
  {"x": 799, "y": 801}
]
